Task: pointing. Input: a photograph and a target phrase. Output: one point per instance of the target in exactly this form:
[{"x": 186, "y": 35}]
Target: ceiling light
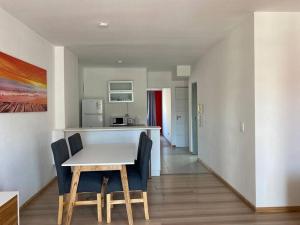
[
  {"x": 103, "y": 24},
  {"x": 120, "y": 61}
]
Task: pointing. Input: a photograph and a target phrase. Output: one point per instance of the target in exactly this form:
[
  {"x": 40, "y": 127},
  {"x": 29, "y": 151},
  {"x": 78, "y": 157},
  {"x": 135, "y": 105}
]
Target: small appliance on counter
[
  {"x": 118, "y": 121},
  {"x": 122, "y": 121},
  {"x": 92, "y": 112},
  {"x": 130, "y": 121}
]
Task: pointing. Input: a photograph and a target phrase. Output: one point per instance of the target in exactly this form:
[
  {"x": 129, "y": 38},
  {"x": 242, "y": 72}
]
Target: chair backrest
[
  {"x": 143, "y": 135},
  {"x": 143, "y": 164},
  {"x": 61, "y": 154},
  {"x": 75, "y": 143}
]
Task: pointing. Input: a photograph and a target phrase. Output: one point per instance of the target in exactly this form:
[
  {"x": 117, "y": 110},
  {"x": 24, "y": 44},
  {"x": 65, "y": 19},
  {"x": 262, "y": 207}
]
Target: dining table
[{"x": 101, "y": 157}]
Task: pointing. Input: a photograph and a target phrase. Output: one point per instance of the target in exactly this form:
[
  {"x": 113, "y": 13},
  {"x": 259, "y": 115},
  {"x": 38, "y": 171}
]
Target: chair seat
[
  {"x": 88, "y": 182},
  {"x": 134, "y": 180},
  {"x": 133, "y": 166}
]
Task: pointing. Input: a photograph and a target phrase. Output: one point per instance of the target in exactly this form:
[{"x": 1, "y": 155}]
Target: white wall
[
  {"x": 95, "y": 80},
  {"x": 277, "y": 103},
  {"x": 66, "y": 88},
  {"x": 159, "y": 79},
  {"x": 59, "y": 87},
  {"x": 25, "y": 162},
  {"x": 225, "y": 77},
  {"x": 72, "y": 103},
  {"x": 166, "y": 115}
]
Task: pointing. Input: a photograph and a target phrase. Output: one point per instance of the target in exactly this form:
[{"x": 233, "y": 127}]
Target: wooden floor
[{"x": 173, "y": 200}]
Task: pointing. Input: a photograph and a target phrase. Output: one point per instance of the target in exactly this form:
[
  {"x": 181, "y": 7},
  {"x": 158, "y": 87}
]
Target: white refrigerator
[{"x": 92, "y": 112}]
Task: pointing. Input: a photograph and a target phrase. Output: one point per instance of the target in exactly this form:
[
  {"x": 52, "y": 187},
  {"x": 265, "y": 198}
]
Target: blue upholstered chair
[
  {"x": 137, "y": 180},
  {"x": 88, "y": 182},
  {"x": 143, "y": 135},
  {"x": 75, "y": 143}
]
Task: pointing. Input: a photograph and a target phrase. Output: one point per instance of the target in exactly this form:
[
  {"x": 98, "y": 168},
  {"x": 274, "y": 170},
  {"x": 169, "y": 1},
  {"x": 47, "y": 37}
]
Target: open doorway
[
  {"x": 155, "y": 109},
  {"x": 177, "y": 158}
]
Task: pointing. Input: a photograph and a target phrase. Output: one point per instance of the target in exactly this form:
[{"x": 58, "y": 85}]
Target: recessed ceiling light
[
  {"x": 103, "y": 24},
  {"x": 120, "y": 61}
]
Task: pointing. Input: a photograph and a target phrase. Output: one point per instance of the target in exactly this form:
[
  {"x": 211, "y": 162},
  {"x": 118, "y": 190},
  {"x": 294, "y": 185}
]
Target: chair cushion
[
  {"x": 134, "y": 181},
  {"x": 88, "y": 182}
]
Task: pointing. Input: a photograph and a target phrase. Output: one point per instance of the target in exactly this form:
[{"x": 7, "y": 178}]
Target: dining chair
[
  {"x": 75, "y": 143},
  {"x": 140, "y": 146},
  {"x": 88, "y": 182},
  {"x": 137, "y": 181}
]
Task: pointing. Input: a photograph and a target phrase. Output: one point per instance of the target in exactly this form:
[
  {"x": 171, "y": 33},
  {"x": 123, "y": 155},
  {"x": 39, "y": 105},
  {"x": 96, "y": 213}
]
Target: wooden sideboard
[{"x": 9, "y": 209}]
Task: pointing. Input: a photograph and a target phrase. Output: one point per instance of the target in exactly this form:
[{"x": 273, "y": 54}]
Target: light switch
[
  {"x": 242, "y": 127},
  {"x": 200, "y": 108}
]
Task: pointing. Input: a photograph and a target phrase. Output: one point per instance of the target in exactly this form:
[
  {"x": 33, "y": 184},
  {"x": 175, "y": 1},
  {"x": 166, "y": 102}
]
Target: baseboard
[
  {"x": 248, "y": 203},
  {"x": 37, "y": 194},
  {"x": 283, "y": 209}
]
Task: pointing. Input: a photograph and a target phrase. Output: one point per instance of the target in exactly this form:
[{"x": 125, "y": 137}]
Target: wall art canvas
[{"x": 23, "y": 86}]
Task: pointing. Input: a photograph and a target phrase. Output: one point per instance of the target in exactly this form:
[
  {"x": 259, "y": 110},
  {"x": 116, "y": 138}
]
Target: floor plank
[{"x": 173, "y": 200}]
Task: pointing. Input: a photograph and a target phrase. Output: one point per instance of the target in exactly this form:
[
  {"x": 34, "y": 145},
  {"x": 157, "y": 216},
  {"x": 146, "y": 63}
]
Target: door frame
[{"x": 194, "y": 101}]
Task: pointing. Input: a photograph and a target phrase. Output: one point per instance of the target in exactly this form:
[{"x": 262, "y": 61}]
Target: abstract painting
[{"x": 23, "y": 86}]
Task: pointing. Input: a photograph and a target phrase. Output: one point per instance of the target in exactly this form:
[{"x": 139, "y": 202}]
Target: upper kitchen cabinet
[{"x": 120, "y": 91}]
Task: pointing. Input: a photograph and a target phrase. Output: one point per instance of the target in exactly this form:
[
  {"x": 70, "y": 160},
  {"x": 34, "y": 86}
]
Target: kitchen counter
[
  {"x": 119, "y": 135},
  {"x": 116, "y": 128}
]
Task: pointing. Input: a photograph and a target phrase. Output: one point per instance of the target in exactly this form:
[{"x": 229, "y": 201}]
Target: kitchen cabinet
[
  {"x": 120, "y": 91},
  {"x": 9, "y": 213}
]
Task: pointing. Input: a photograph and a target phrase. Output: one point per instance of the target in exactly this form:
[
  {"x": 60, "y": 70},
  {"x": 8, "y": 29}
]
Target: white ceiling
[{"x": 155, "y": 33}]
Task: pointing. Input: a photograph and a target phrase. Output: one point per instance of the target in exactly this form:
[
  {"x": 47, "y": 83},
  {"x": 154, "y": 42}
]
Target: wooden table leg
[
  {"x": 73, "y": 193},
  {"x": 126, "y": 194}
]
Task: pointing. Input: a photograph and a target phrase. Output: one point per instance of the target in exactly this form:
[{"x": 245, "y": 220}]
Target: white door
[{"x": 181, "y": 117}]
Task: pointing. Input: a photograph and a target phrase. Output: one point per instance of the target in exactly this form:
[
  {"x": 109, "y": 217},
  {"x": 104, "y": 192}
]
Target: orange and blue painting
[{"x": 23, "y": 86}]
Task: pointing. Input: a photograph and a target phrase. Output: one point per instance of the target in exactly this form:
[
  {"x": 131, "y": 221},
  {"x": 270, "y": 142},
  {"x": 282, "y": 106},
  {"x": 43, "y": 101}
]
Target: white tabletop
[{"x": 103, "y": 155}]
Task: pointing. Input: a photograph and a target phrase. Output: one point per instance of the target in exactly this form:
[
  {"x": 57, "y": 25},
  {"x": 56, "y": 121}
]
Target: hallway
[{"x": 178, "y": 160}]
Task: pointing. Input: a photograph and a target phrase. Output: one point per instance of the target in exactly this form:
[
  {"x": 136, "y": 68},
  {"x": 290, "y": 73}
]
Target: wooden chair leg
[
  {"x": 108, "y": 209},
  {"x": 60, "y": 209},
  {"x": 111, "y": 198},
  {"x": 146, "y": 209},
  {"x": 99, "y": 207}
]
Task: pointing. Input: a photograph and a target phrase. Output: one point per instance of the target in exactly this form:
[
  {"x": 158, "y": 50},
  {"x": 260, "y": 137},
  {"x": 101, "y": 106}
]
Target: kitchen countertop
[{"x": 119, "y": 128}]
